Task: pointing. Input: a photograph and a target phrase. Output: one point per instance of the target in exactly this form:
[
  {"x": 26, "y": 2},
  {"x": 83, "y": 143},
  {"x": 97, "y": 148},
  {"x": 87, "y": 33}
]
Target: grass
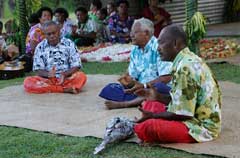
[
  {"x": 18, "y": 142},
  {"x": 223, "y": 72},
  {"x": 226, "y": 72},
  {"x": 105, "y": 68}
]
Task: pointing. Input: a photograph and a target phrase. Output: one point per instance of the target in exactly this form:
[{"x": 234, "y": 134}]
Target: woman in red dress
[{"x": 158, "y": 15}]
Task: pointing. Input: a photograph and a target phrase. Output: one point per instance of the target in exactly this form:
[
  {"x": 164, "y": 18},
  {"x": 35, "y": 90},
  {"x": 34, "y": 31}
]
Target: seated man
[
  {"x": 145, "y": 67},
  {"x": 57, "y": 62},
  {"x": 84, "y": 33},
  {"x": 194, "y": 106}
]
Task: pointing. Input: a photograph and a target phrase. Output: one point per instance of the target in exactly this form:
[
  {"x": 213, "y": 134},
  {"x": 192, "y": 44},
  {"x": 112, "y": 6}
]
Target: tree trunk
[
  {"x": 191, "y": 7},
  {"x": 23, "y": 24},
  {"x": 1, "y": 8}
]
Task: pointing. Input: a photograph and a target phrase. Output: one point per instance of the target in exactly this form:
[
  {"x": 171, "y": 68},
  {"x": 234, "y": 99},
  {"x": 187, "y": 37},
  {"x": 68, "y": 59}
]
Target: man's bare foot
[
  {"x": 71, "y": 90},
  {"x": 114, "y": 105}
]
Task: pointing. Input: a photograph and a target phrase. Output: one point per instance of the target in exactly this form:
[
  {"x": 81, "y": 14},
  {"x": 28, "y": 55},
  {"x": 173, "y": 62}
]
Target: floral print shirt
[
  {"x": 87, "y": 27},
  {"x": 63, "y": 56},
  {"x": 146, "y": 65},
  {"x": 35, "y": 34},
  {"x": 196, "y": 93},
  {"x": 120, "y": 27}
]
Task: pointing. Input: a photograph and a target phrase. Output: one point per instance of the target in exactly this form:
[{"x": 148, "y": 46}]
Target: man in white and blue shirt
[
  {"x": 57, "y": 65},
  {"x": 145, "y": 67},
  {"x": 146, "y": 64}
]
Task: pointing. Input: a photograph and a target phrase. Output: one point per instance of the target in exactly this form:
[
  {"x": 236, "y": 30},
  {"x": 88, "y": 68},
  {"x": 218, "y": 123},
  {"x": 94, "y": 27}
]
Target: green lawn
[
  {"x": 23, "y": 143},
  {"x": 17, "y": 142}
]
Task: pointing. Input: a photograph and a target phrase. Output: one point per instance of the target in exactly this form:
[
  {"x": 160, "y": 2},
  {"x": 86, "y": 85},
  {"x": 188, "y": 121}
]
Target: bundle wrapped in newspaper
[{"x": 119, "y": 128}]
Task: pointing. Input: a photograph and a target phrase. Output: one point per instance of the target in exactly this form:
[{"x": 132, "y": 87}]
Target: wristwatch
[{"x": 145, "y": 85}]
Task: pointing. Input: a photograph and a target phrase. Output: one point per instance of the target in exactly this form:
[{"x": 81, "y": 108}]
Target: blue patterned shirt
[
  {"x": 146, "y": 65},
  {"x": 120, "y": 27},
  {"x": 63, "y": 56}
]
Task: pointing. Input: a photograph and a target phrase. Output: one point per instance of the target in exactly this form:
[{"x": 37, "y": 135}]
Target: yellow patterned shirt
[{"x": 196, "y": 93}]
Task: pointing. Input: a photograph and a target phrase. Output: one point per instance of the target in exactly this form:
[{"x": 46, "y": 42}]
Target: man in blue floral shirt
[{"x": 145, "y": 67}]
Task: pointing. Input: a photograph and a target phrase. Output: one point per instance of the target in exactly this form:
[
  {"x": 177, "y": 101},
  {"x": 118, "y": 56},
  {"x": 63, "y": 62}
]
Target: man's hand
[
  {"x": 52, "y": 73},
  {"x": 62, "y": 79},
  {"x": 145, "y": 115},
  {"x": 127, "y": 81},
  {"x": 74, "y": 29},
  {"x": 136, "y": 87},
  {"x": 149, "y": 94}
]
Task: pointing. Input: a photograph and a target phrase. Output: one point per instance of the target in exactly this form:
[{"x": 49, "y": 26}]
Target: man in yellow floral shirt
[{"x": 194, "y": 106}]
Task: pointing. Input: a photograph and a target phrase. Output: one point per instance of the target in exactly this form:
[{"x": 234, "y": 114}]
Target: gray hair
[
  {"x": 49, "y": 23},
  {"x": 145, "y": 24}
]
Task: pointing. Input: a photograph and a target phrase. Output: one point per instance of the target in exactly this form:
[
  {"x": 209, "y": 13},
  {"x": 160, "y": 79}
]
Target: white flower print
[
  {"x": 197, "y": 67},
  {"x": 176, "y": 97},
  {"x": 208, "y": 87}
]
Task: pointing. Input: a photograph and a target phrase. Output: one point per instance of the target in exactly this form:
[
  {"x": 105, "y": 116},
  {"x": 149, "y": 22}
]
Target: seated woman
[
  {"x": 158, "y": 15},
  {"x": 63, "y": 21},
  {"x": 84, "y": 33},
  {"x": 111, "y": 9},
  {"x": 35, "y": 34},
  {"x": 57, "y": 64},
  {"x": 102, "y": 29},
  {"x": 120, "y": 24}
]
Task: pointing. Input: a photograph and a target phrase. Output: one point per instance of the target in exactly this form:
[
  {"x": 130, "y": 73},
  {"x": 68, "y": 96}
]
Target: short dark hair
[
  {"x": 33, "y": 18},
  {"x": 97, "y": 3},
  {"x": 177, "y": 32},
  {"x": 1, "y": 24},
  {"x": 81, "y": 9},
  {"x": 104, "y": 12},
  {"x": 62, "y": 11},
  {"x": 41, "y": 10},
  {"x": 122, "y": 1}
]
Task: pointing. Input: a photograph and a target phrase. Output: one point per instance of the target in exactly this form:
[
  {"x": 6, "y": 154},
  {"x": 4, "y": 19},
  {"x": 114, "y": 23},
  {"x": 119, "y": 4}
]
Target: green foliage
[
  {"x": 190, "y": 8},
  {"x": 23, "y": 23},
  {"x": 7, "y": 11},
  {"x": 195, "y": 29},
  {"x": 195, "y": 25},
  {"x": 33, "y": 6}
]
